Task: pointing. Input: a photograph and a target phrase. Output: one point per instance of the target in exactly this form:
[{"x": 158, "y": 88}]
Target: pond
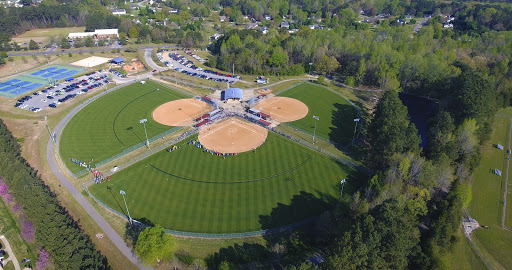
[{"x": 420, "y": 109}]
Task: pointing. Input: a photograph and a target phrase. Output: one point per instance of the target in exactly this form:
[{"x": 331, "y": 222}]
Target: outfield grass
[
  {"x": 336, "y": 113},
  {"x": 487, "y": 203},
  {"x": 110, "y": 124},
  {"x": 188, "y": 190}
]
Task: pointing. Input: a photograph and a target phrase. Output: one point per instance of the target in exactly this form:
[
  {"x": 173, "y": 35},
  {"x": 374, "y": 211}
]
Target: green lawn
[
  {"x": 110, "y": 124},
  {"x": 188, "y": 190},
  {"x": 336, "y": 113},
  {"x": 487, "y": 203}
]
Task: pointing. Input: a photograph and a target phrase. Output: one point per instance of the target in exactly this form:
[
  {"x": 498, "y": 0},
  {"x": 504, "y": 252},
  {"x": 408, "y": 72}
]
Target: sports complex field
[
  {"x": 279, "y": 183},
  {"x": 189, "y": 190},
  {"x": 336, "y": 113},
  {"x": 487, "y": 202},
  {"x": 110, "y": 124}
]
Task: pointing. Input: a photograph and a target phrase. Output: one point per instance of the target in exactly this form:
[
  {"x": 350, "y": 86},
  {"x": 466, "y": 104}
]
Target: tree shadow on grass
[
  {"x": 133, "y": 230},
  {"x": 343, "y": 121}
]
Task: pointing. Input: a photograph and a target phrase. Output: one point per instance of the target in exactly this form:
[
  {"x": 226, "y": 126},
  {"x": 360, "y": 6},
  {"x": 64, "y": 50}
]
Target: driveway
[{"x": 8, "y": 249}]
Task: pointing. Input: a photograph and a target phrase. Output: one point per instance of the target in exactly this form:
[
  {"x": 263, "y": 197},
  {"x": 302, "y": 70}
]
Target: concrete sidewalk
[{"x": 8, "y": 250}]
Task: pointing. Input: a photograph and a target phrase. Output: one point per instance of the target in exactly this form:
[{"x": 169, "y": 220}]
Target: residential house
[
  {"x": 119, "y": 12},
  {"x": 285, "y": 24},
  {"x": 222, "y": 18},
  {"x": 264, "y": 30}
]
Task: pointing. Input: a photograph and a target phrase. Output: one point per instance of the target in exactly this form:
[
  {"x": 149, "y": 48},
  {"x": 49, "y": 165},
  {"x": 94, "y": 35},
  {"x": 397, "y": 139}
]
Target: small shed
[
  {"x": 117, "y": 60},
  {"x": 499, "y": 146}
]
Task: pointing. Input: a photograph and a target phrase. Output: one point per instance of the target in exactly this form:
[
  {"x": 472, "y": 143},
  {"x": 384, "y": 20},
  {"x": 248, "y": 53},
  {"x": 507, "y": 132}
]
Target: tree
[
  {"x": 133, "y": 32},
  {"x": 326, "y": 64},
  {"x": 32, "y": 45},
  {"x": 154, "y": 245},
  {"x": 321, "y": 80},
  {"x": 390, "y": 131},
  {"x": 64, "y": 43},
  {"x": 89, "y": 42}
]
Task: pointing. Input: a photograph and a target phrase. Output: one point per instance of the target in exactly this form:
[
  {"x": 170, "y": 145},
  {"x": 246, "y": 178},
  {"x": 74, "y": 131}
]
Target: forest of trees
[{"x": 55, "y": 230}]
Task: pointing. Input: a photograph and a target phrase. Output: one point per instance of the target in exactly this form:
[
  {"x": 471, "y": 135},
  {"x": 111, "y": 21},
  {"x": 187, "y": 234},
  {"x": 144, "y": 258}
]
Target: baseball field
[
  {"x": 280, "y": 183},
  {"x": 277, "y": 184},
  {"x": 336, "y": 113},
  {"x": 110, "y": 124}
]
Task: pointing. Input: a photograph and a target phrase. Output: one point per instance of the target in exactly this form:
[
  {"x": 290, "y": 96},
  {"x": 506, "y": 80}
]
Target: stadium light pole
[
  {"x": 342, "y": 185},
  {"x": 355, "y": 127},
  {"x": 123, "y": 194},
  {"x": 143, "y": 121},
  {"x": 310, "y": 64},
  {"x": 314, "y": 131}
]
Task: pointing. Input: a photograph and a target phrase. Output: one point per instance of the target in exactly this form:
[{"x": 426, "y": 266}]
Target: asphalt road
[
  {"x": 85, "y": 50},
  {"x": 116, "y": 239},
  {"x": 8, "y": 249}
]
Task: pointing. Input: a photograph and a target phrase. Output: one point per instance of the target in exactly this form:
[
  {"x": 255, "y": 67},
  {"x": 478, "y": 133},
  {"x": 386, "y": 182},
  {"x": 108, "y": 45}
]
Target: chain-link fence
[
  {"x": 284, "y": 90},
  {"x": 152, "y": 151},
  {"x": 137, "y": 146}
]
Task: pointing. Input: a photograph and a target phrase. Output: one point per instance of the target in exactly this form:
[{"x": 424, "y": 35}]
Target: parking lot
[
  {"x": 53, "y": 96},
  {"x": 177, "y": 61}
]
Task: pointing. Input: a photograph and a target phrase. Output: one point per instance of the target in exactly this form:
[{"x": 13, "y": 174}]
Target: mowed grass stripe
[
  {"x": 224, "y": 208},
  {"x": 90, "y": 135},
  {"x": 336, "y": 113}
]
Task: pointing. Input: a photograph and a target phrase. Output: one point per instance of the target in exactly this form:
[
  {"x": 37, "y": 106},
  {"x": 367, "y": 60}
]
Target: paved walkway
[
  {"x": 8, "y": 249},
  {"x": 89, "y": 209},
  {"x": 506, "y": 179}
]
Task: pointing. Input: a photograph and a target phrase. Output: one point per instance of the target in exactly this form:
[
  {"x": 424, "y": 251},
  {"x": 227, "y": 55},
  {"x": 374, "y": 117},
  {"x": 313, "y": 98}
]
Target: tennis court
[{"x": 32, "y": 81}]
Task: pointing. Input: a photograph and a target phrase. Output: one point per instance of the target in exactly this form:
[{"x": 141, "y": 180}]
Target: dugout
[{"x": 232, "y": 94}]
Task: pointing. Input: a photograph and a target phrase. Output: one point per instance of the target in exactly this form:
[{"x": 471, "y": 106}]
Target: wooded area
[{"x": 55, "y": 230}]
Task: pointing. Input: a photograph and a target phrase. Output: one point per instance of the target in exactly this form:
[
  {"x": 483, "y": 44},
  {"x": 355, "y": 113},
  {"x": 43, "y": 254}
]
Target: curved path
[
  {"x": 12, "y": 257},
  {"x": 86, "y": 205}
]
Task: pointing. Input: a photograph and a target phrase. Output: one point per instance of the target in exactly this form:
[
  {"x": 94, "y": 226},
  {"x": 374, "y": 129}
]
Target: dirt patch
[
  {"x": 135, "y": 66},
  {"x": 180, "y": 112},
  {"x": 264, "y": 91},
  {"x": 283, "y": 109},
  {"x": 232, "y": 136}
]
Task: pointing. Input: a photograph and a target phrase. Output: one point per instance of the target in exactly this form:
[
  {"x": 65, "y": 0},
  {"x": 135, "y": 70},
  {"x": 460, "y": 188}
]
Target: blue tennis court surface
[{"x": 37, "y": 79}]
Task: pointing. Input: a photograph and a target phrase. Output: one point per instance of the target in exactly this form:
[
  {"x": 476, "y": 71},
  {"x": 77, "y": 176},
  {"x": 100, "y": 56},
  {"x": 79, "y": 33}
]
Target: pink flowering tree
[
  {"x": 28, "y": 231},
  {"x": 3, "y": 188},
  {"x": 43, "y": 260},
  {"x": 16, "y": 208},
  {"x": 7, "y": 197}
]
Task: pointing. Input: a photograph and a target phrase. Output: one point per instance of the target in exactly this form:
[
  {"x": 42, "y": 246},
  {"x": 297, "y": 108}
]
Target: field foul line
[
  {"x": 251, "y": 130},
  {"x": 216, "y": 129},
  {"x": 270, "y": 103}
]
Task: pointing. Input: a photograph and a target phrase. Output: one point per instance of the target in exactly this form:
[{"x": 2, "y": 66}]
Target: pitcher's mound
[
  {"x": 232, "y": 136},
  {"x": 283, "y": 109},
  {"x": 180, "y": 112}
]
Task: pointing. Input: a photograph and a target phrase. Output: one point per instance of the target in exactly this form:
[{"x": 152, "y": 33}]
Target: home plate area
[{"x": 232, "y": 135}]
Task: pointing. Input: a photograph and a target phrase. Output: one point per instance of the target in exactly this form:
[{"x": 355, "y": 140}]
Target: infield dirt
[
  {"x": 180, "y": 112},
  {"x": 232, "y": 136},
  {"x": 283, "y": 109}
]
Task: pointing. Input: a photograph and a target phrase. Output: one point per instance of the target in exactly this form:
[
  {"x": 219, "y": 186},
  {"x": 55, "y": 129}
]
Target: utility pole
[
  {"x": 143, "y": 121},
  {"x": 310, "y": 64},
  {"x": 314, "y": 131},
  {"x": 355, "y": 128},
  {"x": 129, "y": 217},
  {"x": 342, "y": 185}
]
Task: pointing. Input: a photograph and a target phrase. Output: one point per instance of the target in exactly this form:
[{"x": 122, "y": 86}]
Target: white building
[
  {"x": 98, "y": 34},
  {"x": 119, "y": 12}
]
